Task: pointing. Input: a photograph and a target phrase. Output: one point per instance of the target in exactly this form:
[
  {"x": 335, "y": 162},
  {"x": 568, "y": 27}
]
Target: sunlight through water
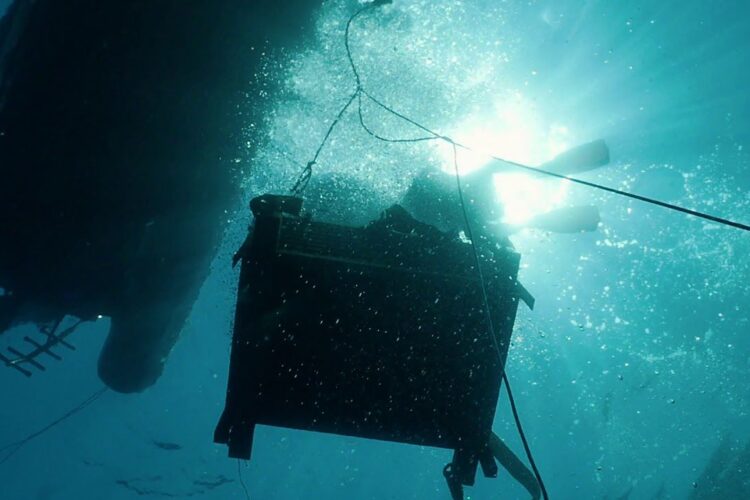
[{"x": 514, "y": 131}]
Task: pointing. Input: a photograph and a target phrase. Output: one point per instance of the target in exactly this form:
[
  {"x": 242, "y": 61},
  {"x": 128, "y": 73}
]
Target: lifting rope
[
  {"x": 302, "y": 181},
  {"x": 360, "y": 91},
  {"x": 304, "y": 178},
  {"x": 12, "y": 448}
]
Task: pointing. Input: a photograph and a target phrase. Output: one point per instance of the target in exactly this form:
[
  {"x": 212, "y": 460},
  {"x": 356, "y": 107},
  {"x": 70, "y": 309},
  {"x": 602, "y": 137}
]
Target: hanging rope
[
  {"x": 241, "y": 479},
  {"x": 386, "y": 139},
  {"x": 522, "y": 435},
  {"x": 13, "y": 448},
  {"x": 469, "y": 233},
  {"x": 306, "y": 173},
  {"x": 304, "y": 177},
  {"x": 434, "y": 135},
  {"x": 491, "y": 324}
]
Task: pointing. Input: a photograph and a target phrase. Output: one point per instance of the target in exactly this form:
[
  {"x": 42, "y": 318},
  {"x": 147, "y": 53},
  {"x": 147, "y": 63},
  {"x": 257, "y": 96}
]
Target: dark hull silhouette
[{"x": 119, "y": 123}]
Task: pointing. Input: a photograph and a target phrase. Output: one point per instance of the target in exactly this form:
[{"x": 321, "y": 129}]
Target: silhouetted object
[
  {"x": 432, "y": 196},
  {"x": 376, "y": 331},
  {"x": 575, "y": 219},
  {"x": 579, "y": 159},
  {"x": 514, "y": 466},
  {"x": 120, "y": 123},
  {"x": 52, "y": 339},
  {"x": 163, "y": 445}
]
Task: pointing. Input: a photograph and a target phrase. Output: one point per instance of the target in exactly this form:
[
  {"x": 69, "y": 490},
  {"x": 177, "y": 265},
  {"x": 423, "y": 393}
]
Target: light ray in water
[
  {"x": 523, "y": 197},
  {"x": 512, "y": 129}
]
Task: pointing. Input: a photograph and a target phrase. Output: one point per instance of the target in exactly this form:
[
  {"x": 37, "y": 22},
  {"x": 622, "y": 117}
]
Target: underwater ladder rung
[{"x": 30, "y": 358}]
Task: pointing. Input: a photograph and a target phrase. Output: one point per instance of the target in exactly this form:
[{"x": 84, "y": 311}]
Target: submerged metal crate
[{"x": 377, "y": 332}]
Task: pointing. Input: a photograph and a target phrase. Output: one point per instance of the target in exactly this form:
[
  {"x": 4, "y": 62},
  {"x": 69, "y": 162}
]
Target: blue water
[{"x": 631, "y": 370}]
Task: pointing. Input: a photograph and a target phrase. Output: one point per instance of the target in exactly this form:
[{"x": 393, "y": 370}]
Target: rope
[
  {"x": 386, "y": 139},
  {"x": 14, "y": 448},
  {"x": 652, "y": 201},
  {"x": 522, "y": 435},
  {"x": 434, "y": 135},
  {"x": 242, "y": 481},
  {"x": 491, "y": 325},
  {"x": 304, "y": 177},
  {"x": 348, "y": 49},
  {"x": 306, "y": 174},
  {"x": 469, "y": 233},
  {"x": 645, "y": 199}
]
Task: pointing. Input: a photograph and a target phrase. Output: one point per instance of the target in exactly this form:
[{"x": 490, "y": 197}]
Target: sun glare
[
  {"x": 512, "y": 131},
  {"x": 523, "y": 197}
]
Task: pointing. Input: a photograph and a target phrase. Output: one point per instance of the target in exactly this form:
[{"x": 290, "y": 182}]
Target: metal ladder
[{"x": 52, "y": 339}]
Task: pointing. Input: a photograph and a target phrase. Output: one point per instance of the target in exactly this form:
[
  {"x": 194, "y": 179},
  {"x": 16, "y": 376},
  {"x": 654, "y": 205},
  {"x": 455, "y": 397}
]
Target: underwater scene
[{"x": 386, "y": 250}]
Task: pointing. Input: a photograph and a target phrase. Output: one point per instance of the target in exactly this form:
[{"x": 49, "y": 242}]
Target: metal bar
[
  {"x": 60, "y": 339},
  {"x": 42, "y": 349},
  {"x": 45, "y": 330},
  {"x": 26, "y": 359},
  {"x": 10, "y": 363},
  {"x": 62, "y": 342}
]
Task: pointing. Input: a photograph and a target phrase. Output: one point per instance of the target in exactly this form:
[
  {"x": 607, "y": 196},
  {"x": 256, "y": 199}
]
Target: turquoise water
[{"x": 632, "y": 369}]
